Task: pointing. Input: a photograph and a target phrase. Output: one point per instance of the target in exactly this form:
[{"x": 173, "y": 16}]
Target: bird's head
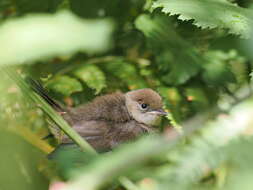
[{"x": 145, "y": 106}]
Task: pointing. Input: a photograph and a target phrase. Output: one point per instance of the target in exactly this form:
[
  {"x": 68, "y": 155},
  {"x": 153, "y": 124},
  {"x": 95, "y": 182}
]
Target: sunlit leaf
[
  {"x": 209, "y": 14},
  {"x": 42, "y": 36},
  {"x": 64, "y": 85},
  {"x": 92, "y": 76}
]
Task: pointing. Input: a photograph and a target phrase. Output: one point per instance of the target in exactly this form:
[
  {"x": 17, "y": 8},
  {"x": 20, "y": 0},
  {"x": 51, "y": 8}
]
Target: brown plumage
[
  {"x": 109, "y": 120},
  {"x": 109, "y": 107}
]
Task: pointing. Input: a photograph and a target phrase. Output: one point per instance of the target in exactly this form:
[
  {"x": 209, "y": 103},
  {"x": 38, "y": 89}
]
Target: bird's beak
[{"x": 159, "y": 112}]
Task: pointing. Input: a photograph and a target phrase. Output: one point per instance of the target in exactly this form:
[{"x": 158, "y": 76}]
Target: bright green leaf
[
  {"x": 92, "y": 76},
  {"x": 43, "y": 35},
  {"x": 64, "y": 85},
  {"x": 209, "y": 14}
]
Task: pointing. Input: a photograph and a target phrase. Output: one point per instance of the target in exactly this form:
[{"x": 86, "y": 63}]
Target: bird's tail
[{"x": 37, "y": 87}]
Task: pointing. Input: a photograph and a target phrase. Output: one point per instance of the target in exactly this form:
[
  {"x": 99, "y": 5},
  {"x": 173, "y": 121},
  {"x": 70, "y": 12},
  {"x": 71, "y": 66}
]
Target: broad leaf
[
  {"x": 178, "y": 68},
  {"x": 19, "y": 163},
  {"x": 209, "y": 14},
  {"x": 42, "y": 36},
  {"x": 127, "y": 72},
  {"x": 64, "y": 85},
  {"x": 92, "y": 76},
  {"x": 177, "y": 60}
]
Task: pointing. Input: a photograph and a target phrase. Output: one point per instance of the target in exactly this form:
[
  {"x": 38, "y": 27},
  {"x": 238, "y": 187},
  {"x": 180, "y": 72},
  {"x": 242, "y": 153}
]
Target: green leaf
[
  {"x": 177, "y": 59},
  {"x": 40, "y": 36},
  {"x": 92, "y": 76},
  {"x": 217, "y": 71},
  {"x": 209, "y": 14},
  {"x": 159, "y": 30},
  {"x": 173, "y": 101},
  {"x": 64, "y": 85},
  {"x": 179, "y": 70},
  {"x": 23, "y": 158},
  {"x": 127, "y": 72}
]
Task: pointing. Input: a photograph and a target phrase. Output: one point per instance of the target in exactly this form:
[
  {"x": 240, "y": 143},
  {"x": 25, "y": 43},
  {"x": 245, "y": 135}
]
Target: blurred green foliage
[
  {"x": 20, "y": 164},
  {"x": 190, "y": 51}
]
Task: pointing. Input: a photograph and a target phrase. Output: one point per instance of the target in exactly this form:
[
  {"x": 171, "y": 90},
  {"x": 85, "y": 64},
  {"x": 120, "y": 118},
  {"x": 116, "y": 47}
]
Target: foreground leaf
[
  {"x": 19, "y": 163},
  {"x": 43, "y": 35}
]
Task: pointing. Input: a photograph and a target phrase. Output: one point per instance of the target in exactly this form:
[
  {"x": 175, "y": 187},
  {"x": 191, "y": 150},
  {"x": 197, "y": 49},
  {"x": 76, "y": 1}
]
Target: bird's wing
[
  {"x": 109, "y": 107},
  {"x": 95, "y": 132},
  {"x": 91, "y": 128}
]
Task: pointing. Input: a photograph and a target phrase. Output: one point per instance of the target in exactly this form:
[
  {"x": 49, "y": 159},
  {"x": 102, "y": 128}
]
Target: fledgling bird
[{"x": 109, "y": 120}]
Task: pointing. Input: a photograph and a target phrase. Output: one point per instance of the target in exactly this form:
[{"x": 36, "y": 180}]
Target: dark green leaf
[
  {"x": 178, "y": 60},
  {"x": 127, "y": 72},
  {"x": 30, "y": 6}
]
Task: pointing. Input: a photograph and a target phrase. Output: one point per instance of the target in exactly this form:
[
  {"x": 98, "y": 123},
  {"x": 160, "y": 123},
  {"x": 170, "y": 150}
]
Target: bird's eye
[{"x": 144, "y": 106}]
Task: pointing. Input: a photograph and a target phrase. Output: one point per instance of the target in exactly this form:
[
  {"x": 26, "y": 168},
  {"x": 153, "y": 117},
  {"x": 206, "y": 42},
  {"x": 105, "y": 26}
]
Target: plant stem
[{"x": 61, "y": 123}]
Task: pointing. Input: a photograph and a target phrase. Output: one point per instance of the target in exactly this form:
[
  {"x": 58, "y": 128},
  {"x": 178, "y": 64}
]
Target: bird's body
[
  {"x": 109, "y": 120},
  {"x": 104, "y": 123}
]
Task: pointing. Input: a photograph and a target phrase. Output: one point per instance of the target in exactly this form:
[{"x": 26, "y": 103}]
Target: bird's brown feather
[
  {"x": 105, "y": 135},
  {"x": 104, "y": 108}
]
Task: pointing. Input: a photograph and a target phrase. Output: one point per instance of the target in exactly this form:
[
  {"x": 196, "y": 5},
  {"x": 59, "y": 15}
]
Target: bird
[{"x": 109, "y": 120}]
